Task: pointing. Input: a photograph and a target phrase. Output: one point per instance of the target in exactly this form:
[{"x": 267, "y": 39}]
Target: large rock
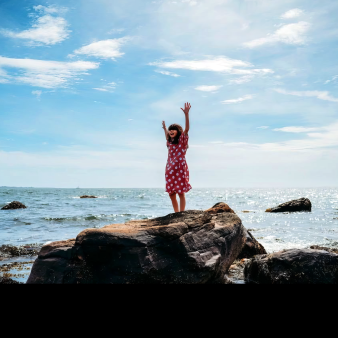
[
  {"x": 302, "y": 204},
  {"x": 14, "y": 205},
  {"x": 86, "y": 196},
  {"x": 191, "y": 247},
  {"x": 295, "y": 266},
  {"x": 251, "y": 247}
]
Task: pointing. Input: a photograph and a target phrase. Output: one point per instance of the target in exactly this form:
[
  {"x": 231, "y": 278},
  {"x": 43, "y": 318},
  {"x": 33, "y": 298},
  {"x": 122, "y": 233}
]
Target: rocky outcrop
[
  {"x": 251, "y": 247},
  {"x": 85, "y": 196},
  {"x": 295, "y": 266},
  {"x": 14, "y": 205},
  {"x": 8, "y": 251},
  {"x": 191, "y": 247},
  {"x": 302, "y": 204},
  {"x": 220, "y": 208}
]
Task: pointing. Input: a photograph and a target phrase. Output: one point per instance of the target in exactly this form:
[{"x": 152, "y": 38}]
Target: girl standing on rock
[{"x": 177, "y": 172}]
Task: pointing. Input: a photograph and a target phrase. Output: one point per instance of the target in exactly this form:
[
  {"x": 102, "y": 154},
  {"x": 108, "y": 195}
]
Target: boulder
[
  {"x": 220, "y": 208},
  {"x": 85, "y": 196},
  {"x": 295, "y": 266},
  {"x": 191, "y": 247},
  {"x": 302, "y": 204},
  {"x": 317, "y": 247},
  {"x": 14, "y": 205},
  {"x": 251, "y": 247}
]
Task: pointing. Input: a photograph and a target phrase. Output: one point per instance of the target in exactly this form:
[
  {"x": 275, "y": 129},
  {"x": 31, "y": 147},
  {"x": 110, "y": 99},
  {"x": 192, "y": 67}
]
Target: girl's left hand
[{"x": 187, "y": 107}]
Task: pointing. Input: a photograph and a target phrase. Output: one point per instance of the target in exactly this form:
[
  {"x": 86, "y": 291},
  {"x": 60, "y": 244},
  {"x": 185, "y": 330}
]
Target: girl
[{"x": 177, "y": 172}]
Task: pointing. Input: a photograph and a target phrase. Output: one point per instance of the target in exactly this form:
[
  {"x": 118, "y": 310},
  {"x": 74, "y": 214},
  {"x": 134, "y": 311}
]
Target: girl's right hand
[{"x": 163, "y": 125}]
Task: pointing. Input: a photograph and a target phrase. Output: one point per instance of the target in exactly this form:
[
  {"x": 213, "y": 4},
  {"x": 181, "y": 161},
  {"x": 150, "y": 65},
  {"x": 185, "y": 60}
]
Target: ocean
[{"x": 59, "y": 214}]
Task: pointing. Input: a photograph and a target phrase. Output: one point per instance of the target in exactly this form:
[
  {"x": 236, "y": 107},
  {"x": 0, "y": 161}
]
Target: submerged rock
[
  {"x": 302, "y": 204},
  {"x": 85, "y": 196},
  {"x": 251, "y": 247},
  {"x": 295, "y": 266},
  {"x": 16, "y": 251},
  {"x": 220, "y": 208},
  {"x": 191, "y": 247},
  {"x": 14, "y": 205}
]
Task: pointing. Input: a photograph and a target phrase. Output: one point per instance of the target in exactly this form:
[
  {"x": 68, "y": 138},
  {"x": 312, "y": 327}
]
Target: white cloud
[
  {"x": 321, "y": 95},
  {"x": 296, "y": 129},
  {"x": 263, "y": 127},
  {"x": 334, "y": 78},
  {"x": 163, "y": 72},
  {"x": 45, "y": 74},
  {"x": 208, "y": 88},
  {"x": 240, "y": 99},
  {"x": 110, "y": 87},
  {"x": 292, "y": 34},
  {"x": 292, "y": 13},
  {"x": 214, "y": 64},
  {"x": 50, "y": 9},
  {"x": 241, "y": 80},
  {"x": 46, "y": 30},
  {"x": 105, "y": 49},
  {"x": 38, "y": 93}
]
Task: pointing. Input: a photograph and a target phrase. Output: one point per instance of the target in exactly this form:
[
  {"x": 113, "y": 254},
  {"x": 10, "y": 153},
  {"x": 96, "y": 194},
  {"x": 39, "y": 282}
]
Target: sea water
[{"x": 59, "y": 214}]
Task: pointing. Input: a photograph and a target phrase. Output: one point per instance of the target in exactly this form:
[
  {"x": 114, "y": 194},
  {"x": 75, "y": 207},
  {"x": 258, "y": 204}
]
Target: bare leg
[
  {"x": 182, "y": 202},
  {"x": 174, "y": 202}
]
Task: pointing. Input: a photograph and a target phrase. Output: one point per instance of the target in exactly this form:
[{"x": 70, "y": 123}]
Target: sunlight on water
[{"x": 58, "y": 214}]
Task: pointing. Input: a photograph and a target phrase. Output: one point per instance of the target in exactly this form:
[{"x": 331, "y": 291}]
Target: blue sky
[{"x": 84, "y": 86}]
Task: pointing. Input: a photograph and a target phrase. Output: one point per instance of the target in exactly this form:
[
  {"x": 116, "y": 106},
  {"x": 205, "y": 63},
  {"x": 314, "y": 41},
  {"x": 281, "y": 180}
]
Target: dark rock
[
  {"x": 220, "y": 208},
  {"x": 191, "y": 247},
  {"x": 251, "y": 247},
  {"x": 8, "y": 281},
  {"x": 14, "y": 205},
  {"x": 295, "y": 266},
  {"x": 16, "y": 251},
  {"x": 85, "y": 196},
  {"x": 316, "y": 247},
  {"x": 302, "y": 204}
]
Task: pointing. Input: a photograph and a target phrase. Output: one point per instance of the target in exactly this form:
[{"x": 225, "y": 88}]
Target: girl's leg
[
  {"x": 174, "y": 201},
  {"x": 182, "y": 202}
]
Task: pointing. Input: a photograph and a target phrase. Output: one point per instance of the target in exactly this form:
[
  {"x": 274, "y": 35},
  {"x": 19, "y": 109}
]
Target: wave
[{"x": 101, "y": 217}]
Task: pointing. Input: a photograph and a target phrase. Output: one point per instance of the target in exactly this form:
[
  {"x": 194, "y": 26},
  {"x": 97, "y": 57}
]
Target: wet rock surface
[
  {"x": 8, "y": 281},
  {"x": 251, "y": 247},
  {"x": 302, "y": 204},
  {"x": 13, "y": 206},
  {"x": 317, "y": 247},
  {"x": 85, "y": 196},
  {"x": 8, "y": 251},
  {"x": 191, "y": 247},
  {"x": 295, "y": 266}
]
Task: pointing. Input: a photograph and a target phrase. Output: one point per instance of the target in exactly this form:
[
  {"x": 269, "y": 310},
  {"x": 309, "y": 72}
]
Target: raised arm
[
  {"x": 165, "y": 130},
  {"x": 187, "y": 107}
]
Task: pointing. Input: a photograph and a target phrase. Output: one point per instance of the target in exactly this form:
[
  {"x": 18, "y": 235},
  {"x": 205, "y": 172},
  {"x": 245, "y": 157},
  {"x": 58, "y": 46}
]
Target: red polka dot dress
[{"x": 177, "y": 171}]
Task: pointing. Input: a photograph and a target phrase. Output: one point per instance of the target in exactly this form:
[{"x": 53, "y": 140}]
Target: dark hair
[{"x": 179, "y": 130}]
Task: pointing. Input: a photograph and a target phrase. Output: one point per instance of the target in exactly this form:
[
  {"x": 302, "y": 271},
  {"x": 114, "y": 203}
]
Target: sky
[{"x": 85, "y": 86}]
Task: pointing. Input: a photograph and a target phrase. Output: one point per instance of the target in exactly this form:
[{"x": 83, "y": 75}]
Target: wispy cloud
[
  {"x": 208, "y": 88},
  {"x": 297, "y": 129},
  {"x": 110, "y": 87},
  {"x": 240, "y": 99},
  {"x": 321, "y": 95},
  {"x": 242, "y": 79},
  {"x": 46, "y": 29},
  {"x": 292, "y": 34},
  {"x": 334, "y": 78},
  {"x": 50, "y": 9},
  {"x": 164, "y": 72},
  {"x": 292, "y": 13},
  {"x": 45, "y": 74},
  {"x": 105, "y": 49},
  {"x": 214, "y": 64},
  {"x": 263, "y": 127},
  {"x": 37, "y": 93}
]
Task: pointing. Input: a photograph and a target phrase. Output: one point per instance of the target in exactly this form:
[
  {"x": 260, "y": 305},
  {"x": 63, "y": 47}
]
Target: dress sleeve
[{"x": 184, "y": 138}]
